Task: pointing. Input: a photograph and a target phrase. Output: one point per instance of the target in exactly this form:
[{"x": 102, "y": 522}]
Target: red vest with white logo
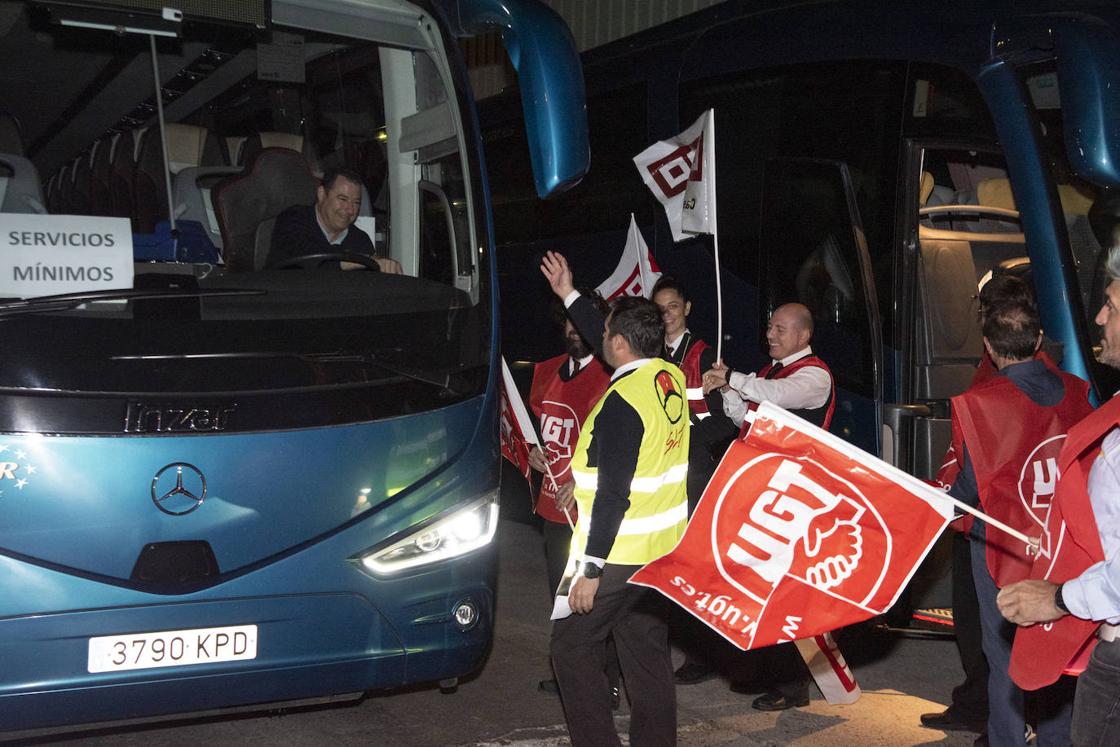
[
  {"x": 694, "y": 377},
  {"x": 560, "y": 408},
  {"x": 1013, "y": 445},
  {"x": 819, "y": 416},
  {"x": 1070, "y": 544}
]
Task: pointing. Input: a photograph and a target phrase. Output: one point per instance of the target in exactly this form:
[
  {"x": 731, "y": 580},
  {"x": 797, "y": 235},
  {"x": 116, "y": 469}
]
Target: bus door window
[
  {"x": 1091, "y": 215},
  {"x": 968, "y": 231},
  {"x": 813, "y": 251}
]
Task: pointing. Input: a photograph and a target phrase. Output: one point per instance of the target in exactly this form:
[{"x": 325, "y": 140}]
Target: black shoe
[
  {"x": 776, "y": 701},
  {"x": 948, "y": 720},
  {"x": 693, "y": 673},
  {"x": 549, "y": 686},
  {"x": 616, "y": 698}
]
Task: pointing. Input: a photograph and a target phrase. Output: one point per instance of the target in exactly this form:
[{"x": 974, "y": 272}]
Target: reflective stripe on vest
[
  {"x": 678, "y": 473},
  {"x": 647, "y": 524}
]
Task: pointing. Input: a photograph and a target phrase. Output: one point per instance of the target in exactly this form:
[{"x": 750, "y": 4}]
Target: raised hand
[{"x": 555, "y": 269}]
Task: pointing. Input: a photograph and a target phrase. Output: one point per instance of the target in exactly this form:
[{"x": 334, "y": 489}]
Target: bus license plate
[{"x": 172, "y": 648}]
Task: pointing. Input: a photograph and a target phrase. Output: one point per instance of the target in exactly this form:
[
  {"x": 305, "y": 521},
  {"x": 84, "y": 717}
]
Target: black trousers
[
  {"x": 970, "y": 698},
  {"x": 557, "y": 543},
  {"x": 635, "y": 616}
]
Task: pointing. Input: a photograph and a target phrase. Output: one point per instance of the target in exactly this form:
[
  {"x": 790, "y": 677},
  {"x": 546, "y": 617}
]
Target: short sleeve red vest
[
  {"x": 1070, "y": 544},
  {"x": 1013, "y": 445},
  {"x": 560, "y": 408},
  {"x": 819, "y": 416}
]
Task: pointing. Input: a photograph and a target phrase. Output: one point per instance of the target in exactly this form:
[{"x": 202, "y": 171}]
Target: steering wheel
[{"x": 318, "y": 261}]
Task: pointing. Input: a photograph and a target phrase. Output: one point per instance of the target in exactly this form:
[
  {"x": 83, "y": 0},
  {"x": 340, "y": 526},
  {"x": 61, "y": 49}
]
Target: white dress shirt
[
  {"x": 582, "y": 363},
  {"x": 804, "y": 389},
  {"x": 1095, "y": 594}
]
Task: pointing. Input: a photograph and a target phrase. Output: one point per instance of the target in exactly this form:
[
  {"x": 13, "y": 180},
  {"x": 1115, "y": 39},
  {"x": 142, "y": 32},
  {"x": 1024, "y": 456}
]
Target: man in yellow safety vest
[{"x": 630, "y": 465}]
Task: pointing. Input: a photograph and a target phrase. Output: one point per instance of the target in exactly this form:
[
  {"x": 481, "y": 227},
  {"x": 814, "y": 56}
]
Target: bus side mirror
[
  {"x": 543, "y": 52},
  {"x": 1088, "y": 56}
]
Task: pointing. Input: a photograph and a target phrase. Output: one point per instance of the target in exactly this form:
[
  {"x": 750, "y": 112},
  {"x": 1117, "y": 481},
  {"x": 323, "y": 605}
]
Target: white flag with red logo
[
  {"x": 518, "y": 434},
  {"x": 797, "y": 534},
  {"x": 681, "y": 173},
  {"x": 636, "y": 271}
]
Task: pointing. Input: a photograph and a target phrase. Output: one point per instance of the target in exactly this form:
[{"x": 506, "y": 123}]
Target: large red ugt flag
[{"x": 798, "y": 533}]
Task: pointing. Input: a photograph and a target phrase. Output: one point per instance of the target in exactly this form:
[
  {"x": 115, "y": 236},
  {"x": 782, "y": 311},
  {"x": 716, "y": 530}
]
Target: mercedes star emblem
[{"x": 184, "y": 495}]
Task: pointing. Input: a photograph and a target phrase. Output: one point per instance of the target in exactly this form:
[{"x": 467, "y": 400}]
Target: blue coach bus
[
  {"x": 876, "y": 161},
  {"x": 226, "y": 480}
]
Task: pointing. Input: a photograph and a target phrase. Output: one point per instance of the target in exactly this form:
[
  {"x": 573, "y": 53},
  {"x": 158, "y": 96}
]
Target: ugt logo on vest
[
  {"x": 797, "y": 534},
  {"x": 671, "y": 399},
  {"x": 559, "y": 431},
  {"x": 1039, "y": 478}
]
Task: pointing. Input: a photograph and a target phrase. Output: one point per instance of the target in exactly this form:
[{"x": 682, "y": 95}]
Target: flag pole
[
  {"x": 715, "y": 248},
  {"x": 987, "y": 519}
]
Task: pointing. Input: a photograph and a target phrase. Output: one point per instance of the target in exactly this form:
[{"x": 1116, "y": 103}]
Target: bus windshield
[{"x": 219, "y": 296}]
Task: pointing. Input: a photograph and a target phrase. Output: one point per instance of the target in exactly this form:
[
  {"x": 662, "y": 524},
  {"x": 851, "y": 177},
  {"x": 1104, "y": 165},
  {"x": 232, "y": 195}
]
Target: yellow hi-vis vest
[{"x": 658, "y": 509}]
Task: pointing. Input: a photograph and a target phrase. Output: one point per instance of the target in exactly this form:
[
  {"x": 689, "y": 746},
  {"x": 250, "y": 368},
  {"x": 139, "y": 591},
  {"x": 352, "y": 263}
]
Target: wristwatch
[
  {"x": 1058, "y": 601},
  {"x": 590, "y": 570}
]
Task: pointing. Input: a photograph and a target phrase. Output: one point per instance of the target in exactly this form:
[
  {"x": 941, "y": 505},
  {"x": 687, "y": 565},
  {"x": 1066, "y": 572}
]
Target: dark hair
[
  {"x": 559, "y": 313},
  {"x": 332, "y": 175},
  {"x": 1012, "y": 327},
  {"x": 669, "y": 282},
  {"x": 638, "y": 320},
  {"x": 1005, "y": 288}
]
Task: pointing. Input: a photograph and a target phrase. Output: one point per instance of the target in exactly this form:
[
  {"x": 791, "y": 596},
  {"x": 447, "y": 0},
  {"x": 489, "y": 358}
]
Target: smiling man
[
  {"x": 327, "y": 226},
  {"x": 795, "y": 378},
  {"x": 801, "y": 383}
]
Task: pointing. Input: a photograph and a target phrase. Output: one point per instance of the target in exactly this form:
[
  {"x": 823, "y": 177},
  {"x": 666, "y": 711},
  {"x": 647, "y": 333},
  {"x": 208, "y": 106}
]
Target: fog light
[{"x": 466, "y": 614}]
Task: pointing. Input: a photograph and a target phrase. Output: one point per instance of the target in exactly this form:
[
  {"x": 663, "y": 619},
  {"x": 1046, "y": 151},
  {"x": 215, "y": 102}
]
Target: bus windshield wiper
[{"x": 64, "y": 301}]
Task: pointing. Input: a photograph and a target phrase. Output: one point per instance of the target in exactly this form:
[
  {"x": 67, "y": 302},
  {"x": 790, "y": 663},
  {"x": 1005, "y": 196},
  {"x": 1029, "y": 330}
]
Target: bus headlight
[{"x": 458, "y": 533}]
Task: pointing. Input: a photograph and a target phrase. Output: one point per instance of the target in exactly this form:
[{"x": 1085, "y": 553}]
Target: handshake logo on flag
[{"x": 795, "y": 527}]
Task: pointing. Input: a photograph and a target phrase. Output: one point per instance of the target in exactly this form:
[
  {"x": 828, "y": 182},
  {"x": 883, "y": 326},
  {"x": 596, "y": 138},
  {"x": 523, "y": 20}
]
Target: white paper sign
[{"x": 43, "y": 255}]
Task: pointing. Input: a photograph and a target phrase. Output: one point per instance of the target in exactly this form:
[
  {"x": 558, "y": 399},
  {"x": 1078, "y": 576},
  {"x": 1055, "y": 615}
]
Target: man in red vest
[
  {"x": 1075, "y": 584},
  {"x": 800, "y": 382},
  {"x": 564, "y": 390},
  {"x": 1007, "y": 433},
  {"x": 795, "y": 378}
]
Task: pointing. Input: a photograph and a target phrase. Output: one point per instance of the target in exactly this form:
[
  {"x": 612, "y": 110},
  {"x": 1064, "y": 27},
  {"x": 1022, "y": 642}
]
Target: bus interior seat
[
  {"x": 49, "y": 190},
  {"x": 932, "y": 194},
  {"x": 79, "y": 195},
  {"x": 187, "y": 146},
  {"x": 261, "y": 140},
  {"x": 11, "y": 137},
  {"x": 123, "y": 170},
  {"x": 275, "y": 179},
  {"x": 948, "y": 344},
  {"x": 65, "y": 185},
  {"x": 193, "y": 189},
  {"x": 20, "y": 188},
  {"x": 100, "y": 174},
  {"x": 233, "y": 150}
]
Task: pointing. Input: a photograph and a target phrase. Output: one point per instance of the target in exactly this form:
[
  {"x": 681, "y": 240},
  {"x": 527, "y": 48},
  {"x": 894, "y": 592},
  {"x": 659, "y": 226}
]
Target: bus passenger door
[
  {"x": 965, "y": 229},
  {"x": 813, "y": 250}
]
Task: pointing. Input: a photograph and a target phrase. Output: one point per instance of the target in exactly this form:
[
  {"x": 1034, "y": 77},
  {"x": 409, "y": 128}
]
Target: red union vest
[
  {"x": 560, "y": 408},
  {"x": 1070, "y": 544},
  {"x": 1014, "y": 445},
  {"x": 819, "y": 416},
  {"x": 694, "y": 378}
]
